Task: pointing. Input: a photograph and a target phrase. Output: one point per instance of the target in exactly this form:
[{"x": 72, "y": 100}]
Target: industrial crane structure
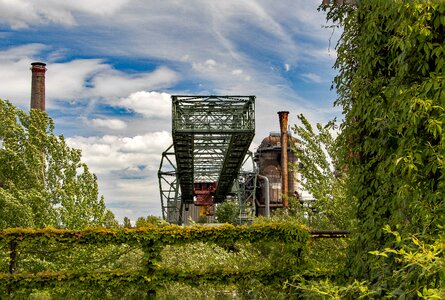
[{"x": 211, "y": 139}]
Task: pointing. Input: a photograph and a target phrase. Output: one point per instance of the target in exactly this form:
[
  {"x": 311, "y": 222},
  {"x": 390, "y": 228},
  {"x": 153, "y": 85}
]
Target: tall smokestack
[
  {"x": 283, "y": 115},
  {"x": 38, "y": 85}
]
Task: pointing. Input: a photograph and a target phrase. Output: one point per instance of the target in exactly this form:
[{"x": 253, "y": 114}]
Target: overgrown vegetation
[
  {"x": 110, "y": 263},
  {"x": 391, "y": 87}
]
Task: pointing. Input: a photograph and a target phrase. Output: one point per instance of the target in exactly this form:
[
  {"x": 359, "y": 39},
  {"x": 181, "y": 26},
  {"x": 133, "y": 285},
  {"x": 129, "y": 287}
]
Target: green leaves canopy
[
  {"x": 42, "y": 180},
  {"x": 323, "y": 176}
]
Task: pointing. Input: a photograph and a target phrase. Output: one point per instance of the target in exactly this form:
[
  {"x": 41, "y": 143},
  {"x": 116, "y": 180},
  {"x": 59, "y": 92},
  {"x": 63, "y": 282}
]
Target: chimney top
[
  {"x": 283, "y": 112},
  {"x": 38, "y": 63}
]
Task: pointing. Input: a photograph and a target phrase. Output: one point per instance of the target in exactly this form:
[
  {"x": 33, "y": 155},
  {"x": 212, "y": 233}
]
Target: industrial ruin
[{"x": 210, "y": 162}]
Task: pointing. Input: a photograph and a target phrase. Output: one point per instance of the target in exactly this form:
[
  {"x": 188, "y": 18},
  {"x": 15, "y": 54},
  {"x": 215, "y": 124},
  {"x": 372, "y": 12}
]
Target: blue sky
[{"x": 112, "y": 66}]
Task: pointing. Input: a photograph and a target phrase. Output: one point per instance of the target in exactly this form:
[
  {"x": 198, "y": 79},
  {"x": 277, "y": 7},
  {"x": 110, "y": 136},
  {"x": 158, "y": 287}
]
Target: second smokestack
[
  {"x": 283, "y": 115},
  {"x": 38, "y": 85}
]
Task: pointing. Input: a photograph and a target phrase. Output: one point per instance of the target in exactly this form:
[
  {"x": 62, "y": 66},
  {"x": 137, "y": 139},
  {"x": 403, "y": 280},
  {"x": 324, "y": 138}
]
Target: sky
[{"x": 113, "y": 65}]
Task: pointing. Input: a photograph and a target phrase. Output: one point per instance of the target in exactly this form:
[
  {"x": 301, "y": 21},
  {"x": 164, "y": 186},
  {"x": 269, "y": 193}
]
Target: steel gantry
[{"x": 211, "y": 137}]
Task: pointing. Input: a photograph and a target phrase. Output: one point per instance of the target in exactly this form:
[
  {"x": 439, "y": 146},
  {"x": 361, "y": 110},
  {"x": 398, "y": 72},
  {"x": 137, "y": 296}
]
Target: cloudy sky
[{"x": 112, "y": 66}]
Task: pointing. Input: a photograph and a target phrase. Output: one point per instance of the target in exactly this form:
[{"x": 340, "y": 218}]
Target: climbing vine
[
  {"x": 150, "y": 241},
  {"x": 391, "y": 85},
  {"x": 161, "y": 235}
]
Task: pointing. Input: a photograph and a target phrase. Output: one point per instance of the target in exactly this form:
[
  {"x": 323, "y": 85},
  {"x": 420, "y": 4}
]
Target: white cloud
[
  {"x": 108, "y": 153},
  {"x": 119, "y": 84},
  {"x": 210, "y": 63},
  {"x": 287, "y": 67},
  {"x": 126, "y": 169},
  {"x": 22, "y": 13},
  {"x": 69, "y": 80},
  {"x": 207, "y": 66},
  {"x": 149, "y": 104},
  {"x": 15, "y": 74},
  {"x": 237, "y": 72},
  {"x": 73, "y": 80},
  {"x": 326, "y": 54},
  {"x": 311, "y": 77},
  {"x": 113, "y": 124}
]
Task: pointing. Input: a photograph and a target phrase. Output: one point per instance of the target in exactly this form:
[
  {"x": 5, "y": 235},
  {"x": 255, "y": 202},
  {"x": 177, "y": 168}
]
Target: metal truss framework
[
  {"x": 172, "y": 207},
  {"x": 211, "y": 137},
  {"x": 244, "y": 189}
]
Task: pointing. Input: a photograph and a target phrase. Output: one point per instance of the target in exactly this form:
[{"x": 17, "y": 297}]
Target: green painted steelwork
[
  {"x": 211, "y": 137},
  {"x": 169, "y": 188}
]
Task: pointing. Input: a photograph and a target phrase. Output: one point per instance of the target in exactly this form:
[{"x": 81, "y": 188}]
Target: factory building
[{"x": 268, "y": 158}]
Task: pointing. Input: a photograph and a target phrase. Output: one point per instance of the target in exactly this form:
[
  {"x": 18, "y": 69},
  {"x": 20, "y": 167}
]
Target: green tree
[
  {"x": 149, "y": 221},
  {"x": 42, "y": 180},
  {"x": 127, "y": 222},
  {"x": 228, "y": 212},
  {"x": 323, "y": 176}
]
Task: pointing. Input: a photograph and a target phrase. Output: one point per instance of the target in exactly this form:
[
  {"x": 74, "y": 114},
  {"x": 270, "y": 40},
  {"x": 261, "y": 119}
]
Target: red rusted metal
[
  {"x": 203, "y": 192},
  {"x": 283, "y": 115}
]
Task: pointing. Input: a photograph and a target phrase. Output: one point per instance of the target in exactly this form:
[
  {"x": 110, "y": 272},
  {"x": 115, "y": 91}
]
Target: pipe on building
[
  {"x": 38, "y": 85},
  {"x": 283, "y": 115},
  {"x": 266, "y": 194}
]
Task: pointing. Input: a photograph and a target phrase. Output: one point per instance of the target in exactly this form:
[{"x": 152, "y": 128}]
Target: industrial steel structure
[{"x": 211, "y": 138}]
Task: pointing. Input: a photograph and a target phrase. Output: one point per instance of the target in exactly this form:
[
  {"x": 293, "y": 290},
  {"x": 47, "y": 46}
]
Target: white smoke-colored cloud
[
  {"x": 119, "y": 84},
  {"x": 126, "y": 167}
]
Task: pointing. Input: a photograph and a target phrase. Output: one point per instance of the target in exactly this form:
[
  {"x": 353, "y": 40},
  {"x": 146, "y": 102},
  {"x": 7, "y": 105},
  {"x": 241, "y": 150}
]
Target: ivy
[
  {"x": 151, "y": 239},
  {"x": 391, "y": 86}
]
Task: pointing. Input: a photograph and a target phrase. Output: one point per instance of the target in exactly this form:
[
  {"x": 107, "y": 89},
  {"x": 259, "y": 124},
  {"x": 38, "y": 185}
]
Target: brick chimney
[{"x": 38, "y": 85}]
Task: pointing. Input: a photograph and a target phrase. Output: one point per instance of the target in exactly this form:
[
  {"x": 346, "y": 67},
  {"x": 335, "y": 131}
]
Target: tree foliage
[
  {"x": 391, "y": 85},
  {"x": 149, "y": 221},
  {"x": 42, "y": 180},
  {"x": 228, "y": 212},
  {"x": 323, "y": 176}
]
